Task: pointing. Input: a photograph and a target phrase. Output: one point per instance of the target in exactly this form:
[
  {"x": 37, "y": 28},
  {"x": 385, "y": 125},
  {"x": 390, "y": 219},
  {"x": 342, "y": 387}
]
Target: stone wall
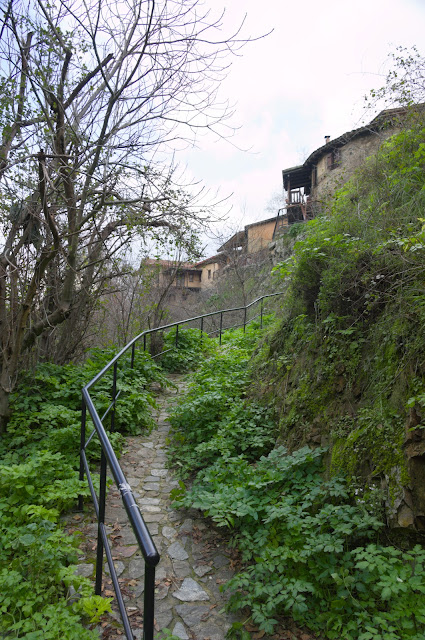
[{"x": 351, "y": 156}]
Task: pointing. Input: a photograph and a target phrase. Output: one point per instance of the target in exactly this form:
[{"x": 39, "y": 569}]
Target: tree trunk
[{"x": 4, "y": 409}]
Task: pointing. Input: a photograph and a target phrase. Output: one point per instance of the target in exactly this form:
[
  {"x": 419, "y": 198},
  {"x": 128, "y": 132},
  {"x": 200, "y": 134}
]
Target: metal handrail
[{"x": 108, "y": 458}]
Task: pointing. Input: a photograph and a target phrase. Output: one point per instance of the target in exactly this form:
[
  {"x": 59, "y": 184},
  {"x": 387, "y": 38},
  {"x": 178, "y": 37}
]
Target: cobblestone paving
[{"x": 195, "y": 561}]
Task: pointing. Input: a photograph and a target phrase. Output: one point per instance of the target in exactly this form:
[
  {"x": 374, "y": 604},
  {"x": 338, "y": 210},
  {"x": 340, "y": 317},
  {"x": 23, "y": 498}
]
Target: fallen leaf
[
  {"x": 109, "y": 593},
  {"x": 126, "y": 552}
]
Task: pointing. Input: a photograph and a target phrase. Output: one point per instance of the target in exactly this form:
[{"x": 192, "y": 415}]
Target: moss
[
  {"x": 343, "y": 459},
  {"x": 373, "y": 449},
  {"x": 346, "y": 382}
]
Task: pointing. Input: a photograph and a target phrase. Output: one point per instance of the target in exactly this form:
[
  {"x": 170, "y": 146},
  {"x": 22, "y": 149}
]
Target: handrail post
[
  {"x": 101, "y": 521},
  {"x": 177, "y": 335},
  {"x": 114, "y": 395},
  {"x": 82, "y": 446},
  {"x": 244, "y": 320},
  {"x": 221, "y": 325},
  {"x": 144, "y": 342},
  {"x": 149, "y": 603},
  {"x": 133, "y": 349},
  {"x": 202, "y": 328},
  {"x": 261, "y": 313}
]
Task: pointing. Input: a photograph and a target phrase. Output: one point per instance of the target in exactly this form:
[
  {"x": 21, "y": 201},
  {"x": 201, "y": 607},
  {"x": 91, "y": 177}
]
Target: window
[
  {"x": 209, "y": 274},
  {"x": 333, "y": 159},
  {"x": 190, "y": 277}
]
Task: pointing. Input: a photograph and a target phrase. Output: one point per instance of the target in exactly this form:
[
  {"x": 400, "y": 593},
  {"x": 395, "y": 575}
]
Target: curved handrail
[
  {"x": 108, "y": 457},
  {"x": 170, "y": 326}
]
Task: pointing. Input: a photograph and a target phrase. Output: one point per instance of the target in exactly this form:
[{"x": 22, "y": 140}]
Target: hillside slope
[{"x": 346, "y": 368}]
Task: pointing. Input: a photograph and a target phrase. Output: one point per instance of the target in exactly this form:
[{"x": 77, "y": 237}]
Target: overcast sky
[{"x": 304, "y": 81}]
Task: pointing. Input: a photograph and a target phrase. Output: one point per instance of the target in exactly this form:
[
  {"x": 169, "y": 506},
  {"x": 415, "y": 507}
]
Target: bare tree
[
  {"x": 147, "y": 297},
  {"x": 90, "y": 94},
  {"x": 276, "y": 203}
]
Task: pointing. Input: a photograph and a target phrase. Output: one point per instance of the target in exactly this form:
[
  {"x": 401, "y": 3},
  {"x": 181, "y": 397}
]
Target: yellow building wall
[
  {"x": 259, "y": 236},
  {"x": 195, "y": 282},
  {"x": 208, "y": 274}
]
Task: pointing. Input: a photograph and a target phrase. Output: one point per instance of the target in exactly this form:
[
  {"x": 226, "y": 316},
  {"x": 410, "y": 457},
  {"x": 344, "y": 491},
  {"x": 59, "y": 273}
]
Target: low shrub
[
  {"x": 214, "y": 419},
  {"x": 192, "y": 347}
]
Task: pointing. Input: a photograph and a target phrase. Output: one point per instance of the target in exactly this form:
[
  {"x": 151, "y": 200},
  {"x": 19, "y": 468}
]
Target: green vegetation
[
  {"x": 340, "y": 380},
  {"x": 345, "y": 370},
  {"x": 230, "y": 424},
  {"x": 192, "y": 347},
  {"x": 39, "y": 482},
  {"x": 310, "y": 550},
  {"x": 351, "y": 349},
  {"x": 312, "y": 553}
]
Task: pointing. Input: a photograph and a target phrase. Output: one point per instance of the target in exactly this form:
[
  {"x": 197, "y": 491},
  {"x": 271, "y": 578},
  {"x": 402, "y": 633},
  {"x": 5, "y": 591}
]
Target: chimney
[{"x": 327, "y": 138}]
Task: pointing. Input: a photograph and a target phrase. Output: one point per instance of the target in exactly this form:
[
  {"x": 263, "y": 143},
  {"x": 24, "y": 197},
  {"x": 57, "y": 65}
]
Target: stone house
[
  {"x": 308, "y": 185},
  {"x": 186, "y": 276}
]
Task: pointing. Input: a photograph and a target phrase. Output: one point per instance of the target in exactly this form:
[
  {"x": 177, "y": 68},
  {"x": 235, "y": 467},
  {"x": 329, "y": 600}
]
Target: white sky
[{"x": 304, "y": 81}]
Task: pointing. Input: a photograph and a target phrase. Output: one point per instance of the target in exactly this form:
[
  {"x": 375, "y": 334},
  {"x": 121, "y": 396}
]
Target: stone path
[{"x": 195, "y": 560}]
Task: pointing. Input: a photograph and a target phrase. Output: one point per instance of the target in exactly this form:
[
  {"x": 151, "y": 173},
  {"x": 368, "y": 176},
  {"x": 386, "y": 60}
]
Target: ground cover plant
[
  {"x": 192, "y": 347},
  {"x": 230, "y": 424},
  {"x": 309, "y": 548},
  {"x": 310, "y": 552},
  {"x": 39, "y": 464}
]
